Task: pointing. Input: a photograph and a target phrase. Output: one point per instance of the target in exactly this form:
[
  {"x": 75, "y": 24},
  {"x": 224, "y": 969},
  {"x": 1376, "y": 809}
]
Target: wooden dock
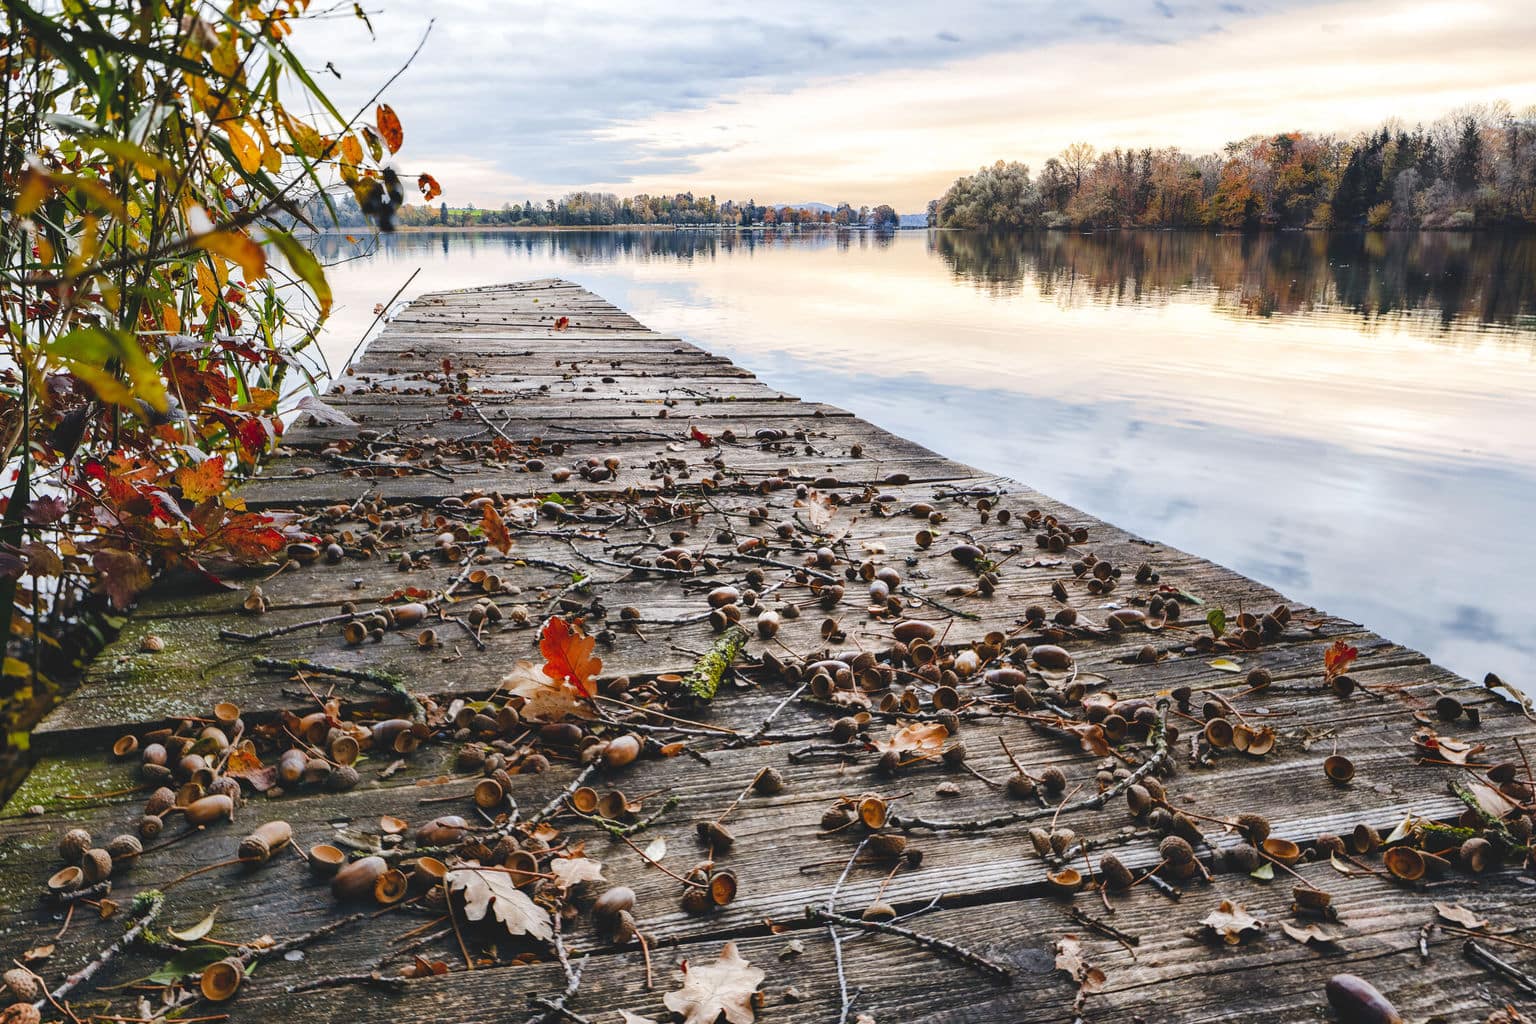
[{"x": 678, "y": 473}]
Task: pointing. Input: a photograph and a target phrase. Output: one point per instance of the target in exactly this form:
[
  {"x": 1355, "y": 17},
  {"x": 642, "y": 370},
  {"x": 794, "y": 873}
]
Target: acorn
[
  {"x": 290, "y": 767},
  {"x": 66, "y": 879},
  {"x": 1020, "y": 786},
  {"x": 220, "y": 980},
  {"x": 1405, "y": 863},
  {"x": 1330, "y": 845},
  {"x": 125, "y": 847},
  {"x": 73, "y": 844},
  {"x": 886, "y": 845},
  {"x": 150, "y": 825},
  {"x": 1066, "y": 881},
  {"x": 1176, "y": 850},
  {"x": 715, "y": 835},
  {"x": 1365, "y": 840},
  {"x": 872, "y": 811},
  {"x": 1475, "y": 854},
  {"x": 1219, "y": 733},
  {"x": 1139, "y": 799},
  {"x": 1282, "y": 850},
  {"x": 325, "y": 859},
  {"x": 1359, "y": 1002},
  {"x": 342, "y": 778},
  {"x": 621, "y": 751},
  {"x": 878, "y": 911},
  {"x": 489, "y": 794},
  {"x": 1242, "y": 857},
  {"x": 1053, "y": 779},
  {"x": 722, "y": 887},
  {"x": 769, "y": 782},
  {"x": 619, "y": 899},
  {"x": 442, "y": 831},
  {"x": 1040, "y": 839},
  {"x": 427, "y": 873},
  {"x": 1051, "y": 658},
  {"x": 584, "y": 800},
  {"x": 391, "y": 887},
  {"x": 20, "y": 1013},
  {"x": 125, "y": 745},
  {"x": 1253, "y": 827},
  {"x": 1116, "y": 876},
  {"x": 1338, "y": 768},
  {"x": 23, "y": 985},
  {"x": 356, "y": 880},
  {"x": 96, "y": 866},
  {"x": 209, "y": 809},
  {"x": 697, "y": 901},
  {"x": 834, "y": 818},
  {"x": 259, "y": 846}
]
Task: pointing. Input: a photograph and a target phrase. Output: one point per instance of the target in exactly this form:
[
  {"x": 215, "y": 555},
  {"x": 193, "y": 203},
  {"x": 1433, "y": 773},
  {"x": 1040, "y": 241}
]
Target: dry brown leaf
[
  {"x": 914, "y": 738},
  {"x": 493, "y": 891},
  {"x": 570, "y": 871},
  {"x": 625, "y": 1017},
  {"x": 1232, "y": 923},
  {"x": 495, "y": 529},
  {"x": 547, "y": 700},
  {"x": 1311, "y": 935},
  {"x": 1069, "y": 958},
  {"x": 1493, "y": 803},
  {"x": 723, "y": 987},
  {"x": 1458, "y": 914}
]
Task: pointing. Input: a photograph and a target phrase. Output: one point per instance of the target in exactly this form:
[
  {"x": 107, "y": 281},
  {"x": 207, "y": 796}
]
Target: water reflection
[
  {"x": 1444, "y": 276},
  {"x": 1335, "y": 415}
]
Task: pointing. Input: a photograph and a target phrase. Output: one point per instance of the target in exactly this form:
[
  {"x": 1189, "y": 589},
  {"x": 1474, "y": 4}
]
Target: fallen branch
[
  {"x": 943, "y": 947},
  {"x": 388, "y": 680},
  {"x": 148, "y": 906}
]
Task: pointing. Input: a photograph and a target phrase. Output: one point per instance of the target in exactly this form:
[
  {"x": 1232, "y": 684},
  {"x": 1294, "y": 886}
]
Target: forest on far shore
[{"x": 1472, "y": 169}]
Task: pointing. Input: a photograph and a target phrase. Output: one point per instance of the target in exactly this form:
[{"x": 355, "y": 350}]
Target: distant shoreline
[{"x": 481, "y": 229}]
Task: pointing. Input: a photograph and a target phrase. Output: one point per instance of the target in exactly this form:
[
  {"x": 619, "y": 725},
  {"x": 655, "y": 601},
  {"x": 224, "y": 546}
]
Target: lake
[{"x": 1348, "y": 418}]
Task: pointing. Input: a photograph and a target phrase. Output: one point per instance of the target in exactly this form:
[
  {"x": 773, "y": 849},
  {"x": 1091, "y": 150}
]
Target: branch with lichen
[{"x": 704, "y": 681}]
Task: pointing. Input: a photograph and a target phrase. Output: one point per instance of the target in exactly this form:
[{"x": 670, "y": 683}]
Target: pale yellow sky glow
[{"x": 901, "y": 136}]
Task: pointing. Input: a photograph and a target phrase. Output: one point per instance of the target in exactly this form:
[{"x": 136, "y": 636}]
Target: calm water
[{"x": 1349, "y": 419}]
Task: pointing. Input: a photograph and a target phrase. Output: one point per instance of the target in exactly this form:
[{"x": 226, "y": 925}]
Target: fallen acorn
[
  {"x": 1281, "y": 850},
  {"x": 615, "y": 901},
  {"x": 356, "y": 881},
  {"x": 715, "y": 835},
  {"x": 621, "y": 751},
  {"x": 1475, "y": 854},
  {"x": 66, "y": 879},
  {"x": 1310, "y": 900},
  {"x": 23, "y": 984},
  {"x": 1365, "y": 840},
  {"x": 722, "y": 887},
  {"x": 325, "y": 859},
  {"x": 1066, "y": 881},
  {"x": 1405, "y": 863},
  {"x": 259, "y": 846},
  {"x": 73, "y": 844},
  {"x": 878, "y": 911},
  {"x": 442, "y": 831},
  {"x": 1339, "y": 768},
  {"x": 209, "y": 809},
  {"x": 221, "y": 980},
  {"x": 1357, "y": 1001},
  {"x": 1051, "y": 658},
  {"x": 1115, "y": 875}
]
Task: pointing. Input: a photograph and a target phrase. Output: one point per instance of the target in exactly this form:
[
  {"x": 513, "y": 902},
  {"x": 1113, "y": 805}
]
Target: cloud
[{"x": 886, "y": 102}]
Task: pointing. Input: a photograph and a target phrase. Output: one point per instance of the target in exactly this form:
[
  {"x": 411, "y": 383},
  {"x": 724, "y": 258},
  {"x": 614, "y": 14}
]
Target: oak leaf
[
  {"x": 726, "y": 986},
  {"x": 202, "y": 481},
  {"x": 572, "y": 871},
  {"x": 545, "y": 699},
  {"x": 495, "y": 529},
  {"x": 914, "y": 738},
  {"x": 1069, "y": 958},
  {"x": 1311, "y": 935},
  {"x": 494, "y": 892},
  {"x": 1232, "y": 923},
  {"x": 568, "y": 654},
  {"x": 1458, "y": 914}
]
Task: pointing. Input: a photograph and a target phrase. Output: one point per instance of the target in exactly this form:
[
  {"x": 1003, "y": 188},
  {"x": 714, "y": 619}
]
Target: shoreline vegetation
[{"x": 1472, "y": 169}]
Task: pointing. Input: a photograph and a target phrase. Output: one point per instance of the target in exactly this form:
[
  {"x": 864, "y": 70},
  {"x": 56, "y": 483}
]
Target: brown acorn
[
  {"x": 325, "y": 859},
  {"x": 489, "y": 794},
  {"x": 769, "y": 782},
  {"x": 1365, "y": 840},
  {"x": 619, "y": 899},
  {"x": 1219, "y": 733},
  {"x": 23, "y": 985},
  {"x": 1405, "y": 863},
  {"x": 584, "y": 800},
  {"x": 1475, "y": 854},
  {"x": 722, "y": 887},
  {"x": 1116, "y": 876},
  {"x": 621, "y": 751},
  {"x": 73, "y": 844},
  {"x": 1253, "y": 827},
  {"x": 260, "y": 845},
  {"x": 872, "y": 811},
  {"x": 1282, "y": 850},
  {"x": 221, "y": 980},
  {"x": 878, "y": 911},
  {"x": 66, "y": 879},
  {"x": 834, "y": 818},
  {"x": 355, "y": 882},
  {"x": 715, "y": 835},
  {"x": 209, "y": 809},
  {"x": 1338, "y": 768},
  {"x": 697, "y": 901},
  {"x": 1359, "y": 1002},
  {"x": 1243, "y": 857},
  {"x": 125, "y": 847},
  {"x": 442, "y": 831},
  {"x": 1053, "y": 779},
  {"x": 96, "y": 866},
  {"x": 391, "y": 887},
  {"x": 1066, "y": 881}
]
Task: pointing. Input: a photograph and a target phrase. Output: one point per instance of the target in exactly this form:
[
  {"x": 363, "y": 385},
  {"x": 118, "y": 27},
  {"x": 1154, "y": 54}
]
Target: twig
[
  {"x": 762, "y": 730},
  {"x": 1510, "y": 973},
  {"x": 943, "y": 947},
  {"x": 151, "y": 902},
  {"x": 388, "y": 680},
  {"x": 556, "y": 1006},
  {"x": 565, "y": 794},
  {"x": 268, "y": 634}
]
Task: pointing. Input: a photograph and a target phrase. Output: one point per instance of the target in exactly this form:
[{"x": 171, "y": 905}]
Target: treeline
[
  {"x": 1473, "y": 169},
  {"x": 604, "y": 209}
]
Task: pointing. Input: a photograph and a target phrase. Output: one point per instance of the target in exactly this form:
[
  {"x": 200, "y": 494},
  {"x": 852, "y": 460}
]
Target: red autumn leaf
[
  {"x": 430, "y": 189},
  {"x": 562, "y": 323},
  {"x": 698, "y": 435},
  {"x": 495, "y": 529},
  {"x": 1337, "y": 659},
  {"x": 202, "y": 481},
  {"x": 568, "y": 653},
  {"x": 389, "y": 127}
]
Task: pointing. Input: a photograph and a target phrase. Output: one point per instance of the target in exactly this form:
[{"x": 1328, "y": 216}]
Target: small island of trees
[{"x": 1473, "y": 169}]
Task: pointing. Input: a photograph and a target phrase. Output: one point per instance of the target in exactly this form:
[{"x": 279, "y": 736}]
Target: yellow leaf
[
  {"x": 246, "y": 150},
  {"x": 351, "y": 149},
  {"x": 34, "y": 189},
  {"x": 238, "y": 248},
  {"x": 17, "y": 667}
]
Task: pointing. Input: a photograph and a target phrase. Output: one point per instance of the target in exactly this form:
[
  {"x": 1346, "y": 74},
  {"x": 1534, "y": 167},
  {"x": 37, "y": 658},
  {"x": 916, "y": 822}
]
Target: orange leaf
[
  {"x": 568, "y": 653},
  {"x": 1337, "y": 658},
  {"x": 562, "y": 323},
  {"x": 202, "y": 481},
  {"x": 495, "y": 529},
  {"x": 351, "y": 149},
  {"x": 389, "y": 127},
  {"x": 430, "y": 189},
  {"x": 237, "y": 248}
]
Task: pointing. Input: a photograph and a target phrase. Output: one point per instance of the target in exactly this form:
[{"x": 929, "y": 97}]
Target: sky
[{"x": 887, "y": 102}]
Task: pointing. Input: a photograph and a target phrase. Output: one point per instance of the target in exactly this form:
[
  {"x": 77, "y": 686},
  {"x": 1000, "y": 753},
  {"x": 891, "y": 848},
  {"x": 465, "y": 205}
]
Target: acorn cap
[{"x": 221, "y": 980}]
